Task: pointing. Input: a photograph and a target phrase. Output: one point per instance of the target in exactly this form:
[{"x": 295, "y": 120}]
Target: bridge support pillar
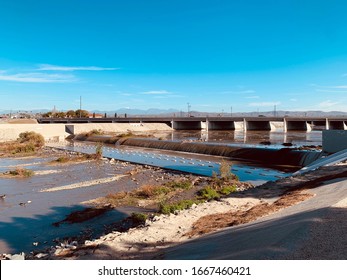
[
  {"x": 285, "y": 125},
  {"x": 326, "y": 124}
]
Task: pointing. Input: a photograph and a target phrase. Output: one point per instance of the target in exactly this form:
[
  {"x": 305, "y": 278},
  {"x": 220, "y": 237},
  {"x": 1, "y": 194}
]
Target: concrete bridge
[{"x": 221, "y": 123}]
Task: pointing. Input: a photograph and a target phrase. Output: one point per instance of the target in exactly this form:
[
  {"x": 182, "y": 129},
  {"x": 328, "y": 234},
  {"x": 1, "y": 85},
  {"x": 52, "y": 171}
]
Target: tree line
[{"x": 68, "y": 114}]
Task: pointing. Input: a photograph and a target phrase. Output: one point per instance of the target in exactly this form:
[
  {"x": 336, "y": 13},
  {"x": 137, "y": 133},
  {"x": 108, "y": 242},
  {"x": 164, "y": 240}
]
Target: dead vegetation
[
  {"x": 18, "y": 173},
  {"x": 215, "y": 222},
  {"x": 28, "y": 143}
]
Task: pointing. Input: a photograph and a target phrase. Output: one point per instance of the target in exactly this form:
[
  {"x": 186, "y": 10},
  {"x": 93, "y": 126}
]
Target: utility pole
[
  {"x": 274, "y": 110},
  {"x": 80, "y": 106},
  {"x": 188, "y": 104},
  {"x": 231, "y": 111}
]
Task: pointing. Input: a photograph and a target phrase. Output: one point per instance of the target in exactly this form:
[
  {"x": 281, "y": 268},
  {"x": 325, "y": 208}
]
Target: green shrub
[
  {"x": 31, "y": 137},
  {"x": 225, "y": 170},
  {"x": 226, "y": 190},
  {"x": 98, "y": 150},
  {"x": 186, "y": 185},
  {"x": 21, "y": 172},
  {"x": 148, "y": 191},
  {"x": 62, "y": 159},
  {"x": 139, "y": 218},
  {"x": 23, "y": 148},
  {"x": 208, "y": 193},
  {"x": 167, "y": 208}
]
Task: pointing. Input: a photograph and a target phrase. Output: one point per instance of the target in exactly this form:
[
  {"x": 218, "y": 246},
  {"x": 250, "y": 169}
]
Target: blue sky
[{"x": 246, "y": 54}]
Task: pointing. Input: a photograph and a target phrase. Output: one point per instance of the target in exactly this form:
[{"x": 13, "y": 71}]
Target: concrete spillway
[{"x": 279, "y": 157}]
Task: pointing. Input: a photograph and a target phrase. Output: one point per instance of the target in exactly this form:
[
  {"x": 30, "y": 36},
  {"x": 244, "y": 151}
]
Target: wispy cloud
[
  {"x": 156, "y": 92},
  {"x": 334, "y": 89},
  {"x": 263, "y": 104},
  {"x": 249, "y": 91},
  {"x": 36, "y": 78},
  {"x": 331, "y": 90},
  {"x": 293, "y": 99},
  {"x": 50, "y": 67},
  {"x": 327, "y": 104}
]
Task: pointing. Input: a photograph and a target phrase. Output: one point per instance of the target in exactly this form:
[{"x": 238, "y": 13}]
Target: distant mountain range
[
  {"x": 178, "y": 113},
  {"x": 151, "y": 111}
]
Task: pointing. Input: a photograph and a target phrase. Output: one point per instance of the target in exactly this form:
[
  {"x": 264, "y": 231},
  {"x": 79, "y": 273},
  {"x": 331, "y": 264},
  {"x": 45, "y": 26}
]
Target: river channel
[{"x": 27, "y": 211}]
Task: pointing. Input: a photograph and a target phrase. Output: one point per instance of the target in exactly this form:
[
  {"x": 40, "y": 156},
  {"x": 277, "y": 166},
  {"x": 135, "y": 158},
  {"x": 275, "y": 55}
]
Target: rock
[
  {"x": 41, "y": 255},
  {"x": 20, "y": 256},
  {"x": 58, "y": 251}
]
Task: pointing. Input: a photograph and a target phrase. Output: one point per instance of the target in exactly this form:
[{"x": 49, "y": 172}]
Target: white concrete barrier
[{"x": 50, "y": 132}]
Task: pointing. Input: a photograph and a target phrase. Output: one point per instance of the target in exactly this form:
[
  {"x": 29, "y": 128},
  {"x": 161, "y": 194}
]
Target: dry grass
[
  {"x": 19, "y": 172},
  {"x": 214, "y": 222},
  {"x": 150, "y": 191},
  {"x": 28, "y": 143}
]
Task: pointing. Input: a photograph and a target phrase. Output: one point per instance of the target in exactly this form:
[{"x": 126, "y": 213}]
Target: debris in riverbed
[{"x": 83, "y": 215}]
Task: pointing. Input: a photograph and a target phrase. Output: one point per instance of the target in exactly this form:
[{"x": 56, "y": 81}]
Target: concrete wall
[
  {"x": 58, "y": 132},
  {"x": 117, "y": 127},
  {"x": 51, "y": 132},
  {"x": 334, "y": 140}
]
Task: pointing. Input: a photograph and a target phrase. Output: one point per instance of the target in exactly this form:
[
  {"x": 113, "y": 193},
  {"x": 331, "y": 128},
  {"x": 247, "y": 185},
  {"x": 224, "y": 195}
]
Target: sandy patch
[
  {"x": 47, "y": 172},
  {"x": 84, "y": 184},
  {"x": 160, "y": 232},
  {"x": 341, "y": 204}
]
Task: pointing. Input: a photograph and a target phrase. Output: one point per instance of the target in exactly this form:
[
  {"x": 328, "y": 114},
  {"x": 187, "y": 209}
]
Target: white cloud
[
  {"x": 49, "y": 67},
  {"x": 155, "y": 92},
  {"x": 328, "y": 103},
  {"x": 36, "y": 78},
  {"x": 293, "y": 99},
  {"x": 263, "y": 104}
]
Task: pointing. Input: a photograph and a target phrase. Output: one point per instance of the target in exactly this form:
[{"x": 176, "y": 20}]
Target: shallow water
[
  {"x": 180, "y": 161},
  {"x": 20, "y": 226},
  {"x": 26, "y": 212},
  {"x": 297, "y": 138}
]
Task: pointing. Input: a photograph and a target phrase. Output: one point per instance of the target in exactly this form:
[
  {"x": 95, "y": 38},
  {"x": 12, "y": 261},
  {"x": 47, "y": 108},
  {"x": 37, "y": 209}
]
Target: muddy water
[{"x": 27, "y": 213}]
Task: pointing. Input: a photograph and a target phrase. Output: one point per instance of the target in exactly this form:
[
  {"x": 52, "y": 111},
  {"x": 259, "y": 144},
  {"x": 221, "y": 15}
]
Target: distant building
[{"x": 93, "y": 115}]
